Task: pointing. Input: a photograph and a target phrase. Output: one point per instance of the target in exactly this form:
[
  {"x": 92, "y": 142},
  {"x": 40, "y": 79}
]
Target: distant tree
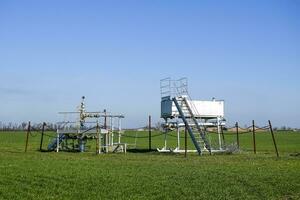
[
  {"x": 24, "y": 124},
  {"x": 10, "y": 126}
]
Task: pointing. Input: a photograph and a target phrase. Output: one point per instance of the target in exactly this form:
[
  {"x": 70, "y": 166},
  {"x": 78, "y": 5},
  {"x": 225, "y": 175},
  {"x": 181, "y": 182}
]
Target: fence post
[
  {"x": 237, "y": 135},
  {"x": 105, "y": 119},
  {"x": 27, "y": 136},
  {"x": 42, "y": 136},
  {"x": 185, "y": 142},
  {"x": 150, "y": 133},
  {"x": 273, "y": 137},
  {"x": 222, "y": 132},
  {"x": 253, "y": 133}
]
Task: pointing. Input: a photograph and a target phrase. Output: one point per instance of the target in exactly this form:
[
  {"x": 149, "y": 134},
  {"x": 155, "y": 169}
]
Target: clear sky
[{"x": 115, "y": 52}]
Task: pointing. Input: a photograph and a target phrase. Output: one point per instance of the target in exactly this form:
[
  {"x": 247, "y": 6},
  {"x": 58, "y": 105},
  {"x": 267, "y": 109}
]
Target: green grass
[{"x": 151, "y": 175}]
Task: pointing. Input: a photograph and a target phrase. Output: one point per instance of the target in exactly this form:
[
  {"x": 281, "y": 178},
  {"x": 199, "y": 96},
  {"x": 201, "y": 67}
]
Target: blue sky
[{"x": 115, "y": 53}]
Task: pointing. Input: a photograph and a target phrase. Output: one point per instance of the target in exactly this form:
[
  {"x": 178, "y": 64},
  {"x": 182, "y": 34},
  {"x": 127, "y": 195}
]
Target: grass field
[{"x": 151, "y": 175}]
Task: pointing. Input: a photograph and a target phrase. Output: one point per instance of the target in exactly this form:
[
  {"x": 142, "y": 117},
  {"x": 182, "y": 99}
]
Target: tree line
[{"x": 13, "y": 126}]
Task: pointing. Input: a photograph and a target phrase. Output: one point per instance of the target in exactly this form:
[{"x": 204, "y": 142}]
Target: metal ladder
[{"x": 187, "y": 113}]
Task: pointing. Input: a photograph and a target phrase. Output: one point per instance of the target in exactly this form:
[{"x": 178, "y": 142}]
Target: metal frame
[
  {"x": 80, "y": 130},
  {"x": 177, "y": 90},
  {"x": 173, "y": 88}
]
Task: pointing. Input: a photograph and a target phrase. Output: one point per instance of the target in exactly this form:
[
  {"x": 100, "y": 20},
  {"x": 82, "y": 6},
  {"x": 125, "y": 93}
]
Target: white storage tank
[{"x": 204, "y": 109}]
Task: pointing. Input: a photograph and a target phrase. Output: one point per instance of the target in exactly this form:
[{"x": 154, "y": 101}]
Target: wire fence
[
  {"x": 140, "y": 139},
  {"x": 224, "y": 130}
]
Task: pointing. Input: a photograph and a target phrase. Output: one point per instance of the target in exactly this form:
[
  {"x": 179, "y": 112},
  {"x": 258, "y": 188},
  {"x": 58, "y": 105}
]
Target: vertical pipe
[
  {"x": 165, "y": 130},
  {"x": 97, "y": 138},
  {"x": 273, "y": 137},
  {"x": 106, "y": 134},
  {"x": 42, "y": 136},
  {"x": 27, "y": 135},
  {"x": 178, "y": 137},
  {"x": 112, "y": 130},
  {"x": 165, "y": 147},
  {"x": 100, "y": 139},
  {"x": 237, "y": 135},
  {"x": 106, "y": 141},
  {"x": 253, "y": 133},
  {"x": 219, "y": 133},
  {"x": 119, "y": 128},
  {"x": 150, "y": 133},
  {"x": 185, "y": 142}
]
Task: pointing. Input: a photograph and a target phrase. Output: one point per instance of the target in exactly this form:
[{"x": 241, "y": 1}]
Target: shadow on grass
[
  {"x": 141, "y": 150},
  {"x": 65, "y": 151},
  {"x": 295, "y": 154}
]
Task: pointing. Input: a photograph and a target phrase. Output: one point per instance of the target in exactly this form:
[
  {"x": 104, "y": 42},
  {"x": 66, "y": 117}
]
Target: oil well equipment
[
  {"x": 179, "y": 111},
  {"x": 77, "y": 128}
]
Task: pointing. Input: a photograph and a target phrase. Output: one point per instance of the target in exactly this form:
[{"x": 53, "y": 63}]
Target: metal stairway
[
  {"x": 52, "y": 146},
  {"x": 187, "y": 112}
]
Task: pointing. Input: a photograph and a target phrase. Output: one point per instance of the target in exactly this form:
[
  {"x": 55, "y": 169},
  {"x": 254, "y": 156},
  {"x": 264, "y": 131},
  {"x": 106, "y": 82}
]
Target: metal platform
[{"x": 179, "y": 110}]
